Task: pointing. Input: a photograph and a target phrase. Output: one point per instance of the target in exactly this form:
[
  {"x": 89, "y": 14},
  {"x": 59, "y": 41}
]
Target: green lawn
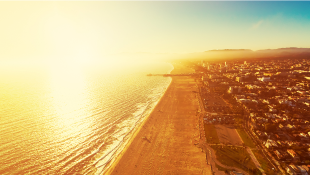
[
  {"x": 235, "y": 157},
  {"x": 211, "y": 134},
  {"x": 246, "y": 139},
  {"x": 266, "y": 166}
]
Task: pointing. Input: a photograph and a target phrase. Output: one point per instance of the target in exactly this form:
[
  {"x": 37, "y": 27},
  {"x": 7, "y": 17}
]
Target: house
[
  {"x": 297, "y": 170},
  {"x": 280, "y": 144},
  {"x": 291, "y": 127},
  {"x": 293, "y": 170},
  {"x": 302, "y": 170},
  {"x": 271, "y": 144},
  {"x": 278, "y": 154},
  {"x": 261, "y": 135},
  {"x": 234, "y": 89},
  {"x": 281, "y": 127},
  {"x": 293, "y": 154},
  {"x": 264, "y": 79},
  {"x": 303, "y": 137},
  {"x": 307, "y": 168}
]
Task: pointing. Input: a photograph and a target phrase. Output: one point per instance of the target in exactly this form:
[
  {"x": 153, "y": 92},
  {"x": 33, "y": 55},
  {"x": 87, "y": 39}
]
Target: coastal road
[{"x": 168, "y": 141}]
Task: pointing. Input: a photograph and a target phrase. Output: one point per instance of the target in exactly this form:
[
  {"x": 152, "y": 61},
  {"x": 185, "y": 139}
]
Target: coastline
[
  {"x": 167, "y": 140},
  {"x": 126, "y": 144},
  {"x": 132, "y": 134}
]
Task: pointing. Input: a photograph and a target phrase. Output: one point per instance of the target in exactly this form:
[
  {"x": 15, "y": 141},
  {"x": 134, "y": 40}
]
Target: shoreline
[
  {"x": 125, "y": 145},
  {"x": 167, "y": 140}
]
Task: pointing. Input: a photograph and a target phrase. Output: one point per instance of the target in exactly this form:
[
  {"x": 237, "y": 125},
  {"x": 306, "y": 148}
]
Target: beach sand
[{"x": 166, "y": 143}]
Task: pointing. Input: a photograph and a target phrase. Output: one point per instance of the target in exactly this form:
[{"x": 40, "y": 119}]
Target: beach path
[{"x": 167, "y": 143}]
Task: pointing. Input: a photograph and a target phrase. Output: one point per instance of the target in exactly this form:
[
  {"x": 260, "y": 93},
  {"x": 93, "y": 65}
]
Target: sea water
[{"x": 68, "y": 119}]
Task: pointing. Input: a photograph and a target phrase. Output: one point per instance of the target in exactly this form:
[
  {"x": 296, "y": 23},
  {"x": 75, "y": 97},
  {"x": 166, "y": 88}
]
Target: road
[
  {"x": 210, "y": 153},
  {"x": 267, "y": 155}
]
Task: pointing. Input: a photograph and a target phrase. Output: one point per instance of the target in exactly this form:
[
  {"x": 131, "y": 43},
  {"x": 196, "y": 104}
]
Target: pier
[{"x": 169, "y": 75}]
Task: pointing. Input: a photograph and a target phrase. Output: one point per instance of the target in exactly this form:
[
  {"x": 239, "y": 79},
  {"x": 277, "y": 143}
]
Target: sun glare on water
[{"x": 69, "y": 93}]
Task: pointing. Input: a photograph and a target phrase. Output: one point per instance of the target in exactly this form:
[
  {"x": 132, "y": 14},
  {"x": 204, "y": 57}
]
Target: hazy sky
[{"x": 92, "y": 29}]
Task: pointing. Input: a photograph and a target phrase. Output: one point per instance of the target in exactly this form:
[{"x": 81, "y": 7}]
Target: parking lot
[
  {"x": 214, "y": 103},
  {"x": 215, "y": 118}
]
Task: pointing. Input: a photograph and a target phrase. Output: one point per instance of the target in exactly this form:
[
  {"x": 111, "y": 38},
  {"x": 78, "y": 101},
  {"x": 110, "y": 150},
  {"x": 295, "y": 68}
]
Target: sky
[{"x": 80, "y": 30}]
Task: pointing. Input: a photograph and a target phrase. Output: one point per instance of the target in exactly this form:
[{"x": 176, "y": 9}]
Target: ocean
[{"x": 67, "y": 119}]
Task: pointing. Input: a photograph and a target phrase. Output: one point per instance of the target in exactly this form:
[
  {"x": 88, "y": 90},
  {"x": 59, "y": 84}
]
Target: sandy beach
[{"x": 167, "y": 142}]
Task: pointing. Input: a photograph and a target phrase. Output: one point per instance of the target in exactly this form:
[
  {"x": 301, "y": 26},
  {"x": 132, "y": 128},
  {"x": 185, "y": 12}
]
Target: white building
[
  {"x": 264, "y": 79},
  {"x": 234, "y": 89}
]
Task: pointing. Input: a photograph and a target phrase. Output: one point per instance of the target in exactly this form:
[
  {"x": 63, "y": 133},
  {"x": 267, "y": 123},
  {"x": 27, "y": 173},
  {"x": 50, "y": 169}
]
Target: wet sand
[{"x": 167, "y": 143}]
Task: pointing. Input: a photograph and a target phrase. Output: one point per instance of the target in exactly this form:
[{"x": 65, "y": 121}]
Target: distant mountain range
[
  {"x": 227, "y": 54},
  {"x": 228, "y": 50}
]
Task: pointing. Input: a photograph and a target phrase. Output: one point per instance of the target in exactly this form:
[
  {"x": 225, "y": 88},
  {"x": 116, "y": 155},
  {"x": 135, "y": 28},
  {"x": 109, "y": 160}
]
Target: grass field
[
  {"x": 235, "y": 157},
  {"x": 223, "y": 169},
  {"x": 266, "y": 166},
  {"x": 246, "y": 139},
  {"x": 211, "y": 134}
]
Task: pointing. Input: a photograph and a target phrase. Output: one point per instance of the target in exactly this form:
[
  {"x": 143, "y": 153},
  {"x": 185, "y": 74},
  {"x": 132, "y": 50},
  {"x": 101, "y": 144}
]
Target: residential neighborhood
[{"x": 269, "y": 99}]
